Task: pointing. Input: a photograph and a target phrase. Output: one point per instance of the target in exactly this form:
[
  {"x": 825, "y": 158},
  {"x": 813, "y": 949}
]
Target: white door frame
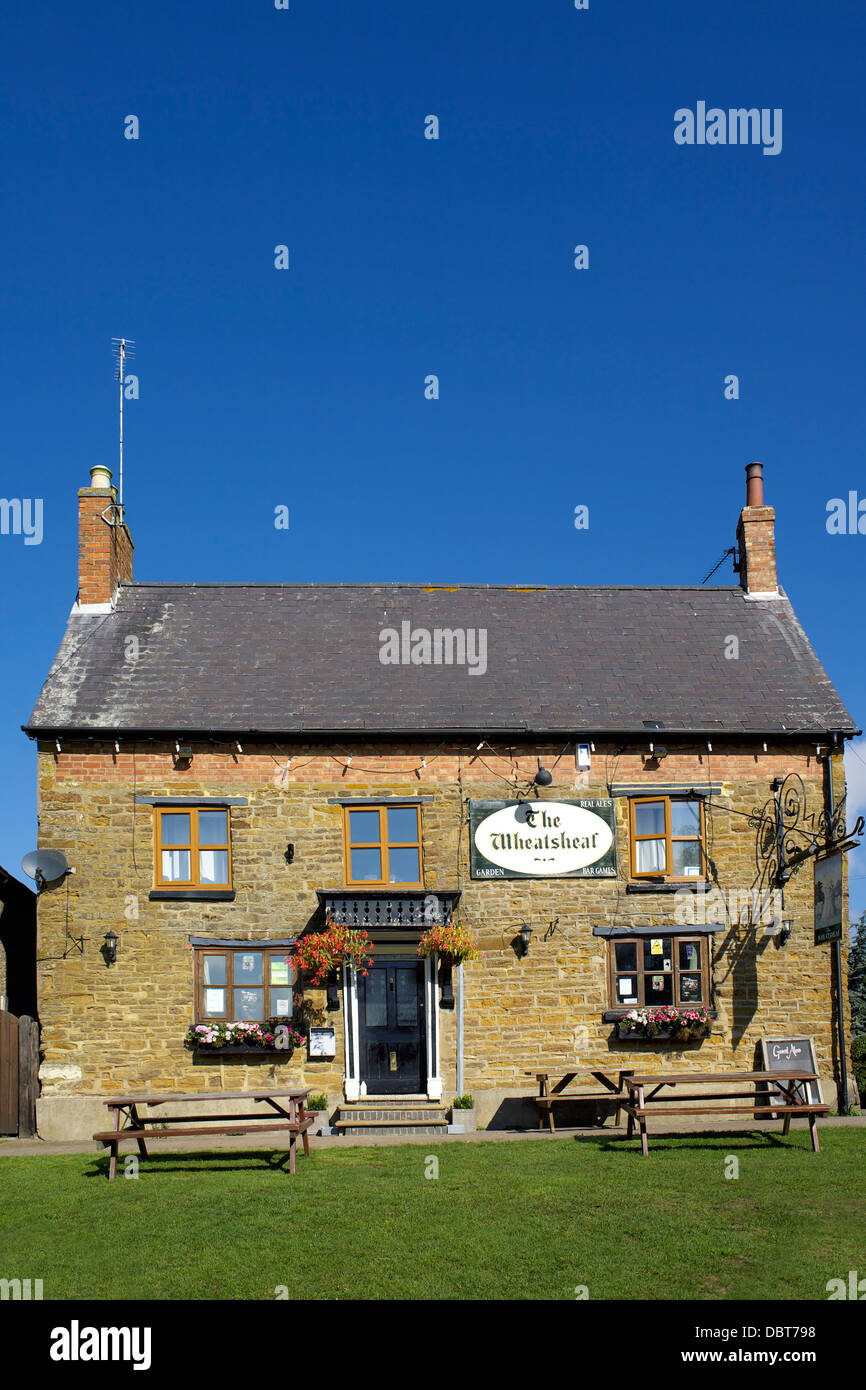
[{"x": 353, "y": 1084}]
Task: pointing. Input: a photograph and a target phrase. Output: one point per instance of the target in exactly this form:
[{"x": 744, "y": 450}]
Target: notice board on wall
[{"x": 789, "y": 1055}]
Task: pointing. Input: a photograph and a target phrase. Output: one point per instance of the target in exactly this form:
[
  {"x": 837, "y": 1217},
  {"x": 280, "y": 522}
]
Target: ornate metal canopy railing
[{"x": 410, "y": 908}]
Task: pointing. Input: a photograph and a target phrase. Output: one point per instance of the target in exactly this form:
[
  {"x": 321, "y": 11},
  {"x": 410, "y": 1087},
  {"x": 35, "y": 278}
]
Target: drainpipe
[
  {"x": 836, "y": 947},
  {"x": 460, "y": 1030}
]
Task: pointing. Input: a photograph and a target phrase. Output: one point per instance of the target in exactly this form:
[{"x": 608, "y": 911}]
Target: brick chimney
[
  {"x": 104, "y": 543},
  {"x": 756, "y": 539}
]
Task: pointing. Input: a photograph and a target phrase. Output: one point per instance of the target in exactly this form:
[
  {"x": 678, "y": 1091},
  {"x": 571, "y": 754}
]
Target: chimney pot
[
  {"x": 754, "y": 485},
  {"x": 100, "y": 477}
]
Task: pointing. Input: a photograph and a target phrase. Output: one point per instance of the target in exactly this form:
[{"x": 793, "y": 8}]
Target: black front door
[{"x": 391, "y": 1028}]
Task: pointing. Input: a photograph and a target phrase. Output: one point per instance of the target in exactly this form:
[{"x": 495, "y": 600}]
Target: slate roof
[{"x": 304, "y": 658}]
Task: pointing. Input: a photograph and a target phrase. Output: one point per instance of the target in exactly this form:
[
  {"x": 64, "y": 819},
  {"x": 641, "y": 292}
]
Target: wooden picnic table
[
  {"x": 549, "y": 1096},
  {"x": 143, "y": 1127},
  {"x": 644, "y": 1091}
]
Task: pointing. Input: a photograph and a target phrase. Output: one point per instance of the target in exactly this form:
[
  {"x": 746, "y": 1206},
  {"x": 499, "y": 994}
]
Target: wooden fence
[{"x": 19, "y": 1071}]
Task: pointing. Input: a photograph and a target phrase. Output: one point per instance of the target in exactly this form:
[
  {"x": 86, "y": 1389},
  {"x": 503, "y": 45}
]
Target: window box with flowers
[
  {"x": 681, "y": 1025},
  {"x": 224, "y": 1039},
  {"x": 453, "y": 945}
]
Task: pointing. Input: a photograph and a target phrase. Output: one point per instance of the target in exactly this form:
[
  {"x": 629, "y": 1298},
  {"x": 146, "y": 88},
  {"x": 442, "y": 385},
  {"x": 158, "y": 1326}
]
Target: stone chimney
[
  {"x": 104, "y": 543},
  {"x": 756, "y": 539}
]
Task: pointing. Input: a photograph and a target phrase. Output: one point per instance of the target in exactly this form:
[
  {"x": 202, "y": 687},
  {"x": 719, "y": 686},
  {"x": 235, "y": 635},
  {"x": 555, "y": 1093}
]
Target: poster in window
[
  {"x": 279, "y": 971},
  {"x": 656, "y": 948},
  {"x": 626, "y": 990},
  {"x": 213, "y": 1001},
  {"x": 690, "y": 989},
  {"x": 658, "y": 983},
  {"x": 282, "y": 1006}
]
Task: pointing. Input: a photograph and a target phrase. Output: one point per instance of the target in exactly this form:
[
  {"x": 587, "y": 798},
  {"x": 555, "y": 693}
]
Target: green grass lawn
[{"x": 501, "y": 1221}]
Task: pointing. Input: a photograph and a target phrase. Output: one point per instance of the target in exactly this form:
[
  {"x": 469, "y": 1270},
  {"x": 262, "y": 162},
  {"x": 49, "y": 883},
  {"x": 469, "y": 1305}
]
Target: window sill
[
  {"x": 192, "y": 895},
  {"x": 667, "y": 886},
  {"x": 269, "y": 1052}
]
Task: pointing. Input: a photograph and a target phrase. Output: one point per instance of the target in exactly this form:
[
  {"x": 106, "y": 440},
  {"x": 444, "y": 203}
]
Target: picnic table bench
[
  {"x": 793, "y": 1099},
  {"x": 142, "y": 1127},
  {"x": 547, "y": 1098}
]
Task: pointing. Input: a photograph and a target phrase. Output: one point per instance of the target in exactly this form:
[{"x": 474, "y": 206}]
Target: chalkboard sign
[{"x": 787, "y": 1055}]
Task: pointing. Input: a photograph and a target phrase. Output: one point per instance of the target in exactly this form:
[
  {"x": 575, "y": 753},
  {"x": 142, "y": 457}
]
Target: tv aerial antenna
[{"x": 123, "y": 348}]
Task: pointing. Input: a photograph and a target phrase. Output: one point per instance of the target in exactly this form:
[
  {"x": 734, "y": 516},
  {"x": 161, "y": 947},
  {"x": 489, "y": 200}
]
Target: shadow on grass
[
  {"x": 707, "y": 1139},
  {"x": 200, "y": 1160}
]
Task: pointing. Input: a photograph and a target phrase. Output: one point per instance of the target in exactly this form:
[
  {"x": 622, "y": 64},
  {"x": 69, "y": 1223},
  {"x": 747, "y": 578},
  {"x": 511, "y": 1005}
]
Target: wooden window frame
[
  {"x": 665, "y": 875},
  {"x": 242, "y": 948},
  {"x": 678, "y": 939},
  {"x": 195, "y": 883},
  {"x": 382, "y": 845}
]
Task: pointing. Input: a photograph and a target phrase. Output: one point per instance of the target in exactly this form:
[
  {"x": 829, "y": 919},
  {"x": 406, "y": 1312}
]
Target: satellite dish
[{"x": 45, "y": 865}]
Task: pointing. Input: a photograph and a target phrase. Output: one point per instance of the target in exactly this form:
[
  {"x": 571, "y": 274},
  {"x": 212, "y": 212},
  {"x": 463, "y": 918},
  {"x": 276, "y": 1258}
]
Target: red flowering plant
[
  {"x": 321, "y": 952},
  {"x": 453, "y": 945}
]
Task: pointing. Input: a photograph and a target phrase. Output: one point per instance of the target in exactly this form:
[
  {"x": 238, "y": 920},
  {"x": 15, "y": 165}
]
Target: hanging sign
[
  {"x": 828, "y": 899},
  {"x": 543, "y": 839}
]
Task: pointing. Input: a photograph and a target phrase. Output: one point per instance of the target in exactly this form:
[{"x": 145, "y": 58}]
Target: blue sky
[{"x": 305, "y": 387}]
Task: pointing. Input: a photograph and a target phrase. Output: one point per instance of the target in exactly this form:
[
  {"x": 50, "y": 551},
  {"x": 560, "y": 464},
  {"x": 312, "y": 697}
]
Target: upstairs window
[
  {"x": 382, "y": 846},
  {"x": 193, "y": 848},
  {"x": 667, "y": 838}
]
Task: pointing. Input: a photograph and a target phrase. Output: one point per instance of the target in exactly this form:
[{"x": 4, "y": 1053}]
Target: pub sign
[
  {"x": 828, "y": 899},
  {"x": 543, "y": 839}
]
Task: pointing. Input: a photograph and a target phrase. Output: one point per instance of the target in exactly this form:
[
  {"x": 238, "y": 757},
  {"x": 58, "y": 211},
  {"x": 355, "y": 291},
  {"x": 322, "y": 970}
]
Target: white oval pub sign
[{"x": 543, "y": 839}]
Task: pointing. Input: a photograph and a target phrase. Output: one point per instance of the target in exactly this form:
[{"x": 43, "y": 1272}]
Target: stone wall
[{"x": 107, "y": 1029}]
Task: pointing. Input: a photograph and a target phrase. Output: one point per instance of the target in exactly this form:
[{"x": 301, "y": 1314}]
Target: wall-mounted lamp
[
  {"x": 543, "y": 778},
  {"x": 290, "y": 854},
  {"x": 182, "y": 754},
  {"x": 582, "y": 757},
  {"x": 525, "y": 938},
  {"x": 110, "y": 948},
  {"x": 785, "y": 931}
]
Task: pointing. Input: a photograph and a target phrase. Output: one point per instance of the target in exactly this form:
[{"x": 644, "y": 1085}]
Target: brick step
[
  {"x": 401, "y": 1117},
  {"x": 357, "y": 1132}
]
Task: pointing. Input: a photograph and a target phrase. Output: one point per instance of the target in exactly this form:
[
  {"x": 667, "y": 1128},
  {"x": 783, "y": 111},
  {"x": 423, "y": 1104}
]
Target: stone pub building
[{"x": 579, "y": 775}]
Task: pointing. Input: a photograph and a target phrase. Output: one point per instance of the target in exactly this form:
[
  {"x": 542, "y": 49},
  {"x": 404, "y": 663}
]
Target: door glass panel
[
  {"x": 651, "y": 856},
  {"x": 214, "y": 970},
  {"x": 403, "y": 866},
  {"x": 366, "y": 866},
  {"x": 212, "y": 828},
  {"x": 375, "y": 1002},
  {"x": 407, "y": 998},
  {"x": 175, "y": 830},
  {"x": 649, "y": 818},
  {"x": 364, "y": 827},
  {"x": 402, "y": 825},
  {"x": 686, "y": 855},
  {"x": 175, "y": 866},
  {"x": 248, "y": 967},
  {"x": 213, "y": 865},
  {"x": 686, "y": 818},
  {"x": 249, "y": 1003}
]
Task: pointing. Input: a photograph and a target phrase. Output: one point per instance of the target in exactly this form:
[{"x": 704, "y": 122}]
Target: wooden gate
[{"x": 19, "y": 1069}]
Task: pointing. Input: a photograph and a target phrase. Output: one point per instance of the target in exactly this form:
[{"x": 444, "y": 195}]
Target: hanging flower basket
[
  {"x": 243, "y": 1037},
  {"x": 683, "y": 1025},
  {"x": 453, "y": 945},
  {"x": 320, "y": 953}
]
